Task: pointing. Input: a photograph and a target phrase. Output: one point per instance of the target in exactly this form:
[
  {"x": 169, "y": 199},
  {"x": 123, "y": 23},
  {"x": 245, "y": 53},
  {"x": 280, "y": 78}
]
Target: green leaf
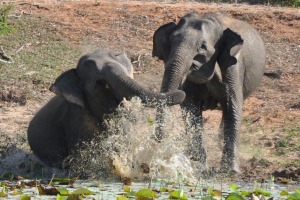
[
  {"x": 262, "y": 192},
  {"x": 122, "y": 198},
  {"x": 234, "y": 196},
  {"x": 146, "y": 193},
  {"x": 245, "y": 192},
  {"x": 150, "y": 121},
  {"x": 163, "y": 189},
  {"x": 17, "y": 192},
  {"x": 294, "y": 196},
  {"x": 234, "y": 188},
  {"x": 64, "y": 181},
  {"x": 25, "y": 197},
  {"x": 284, "y": 193},
  {"x": 63, "y": 191},
  {"x": 3, "y": 194},
  {"x": 298, "y": 190},
  {"x": 178, "y": 194},
  {"x": 74, "y": 197},
  {"x": 127, "y": 189},
  {"x": 272, "y": 178},
  {"x": 83, "y": 191},
  {"x": 59, "y": 197}
]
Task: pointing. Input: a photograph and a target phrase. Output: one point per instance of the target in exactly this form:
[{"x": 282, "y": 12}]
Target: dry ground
[{"x": 270, "y": 138}]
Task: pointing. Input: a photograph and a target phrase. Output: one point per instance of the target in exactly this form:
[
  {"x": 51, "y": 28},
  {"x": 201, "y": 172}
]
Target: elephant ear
[
  {"x": 231, "y": 46},
  {"x": 66, "y": 85},
  {"x": 124, "y": 60},
  {"x": 161, "y": 42}
]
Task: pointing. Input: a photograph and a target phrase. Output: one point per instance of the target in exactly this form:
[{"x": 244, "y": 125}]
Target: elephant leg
[
  {"x": 161, "y": 123},
  {"x": 231, "y": 123},
  {"x": 192, "y": 115}
]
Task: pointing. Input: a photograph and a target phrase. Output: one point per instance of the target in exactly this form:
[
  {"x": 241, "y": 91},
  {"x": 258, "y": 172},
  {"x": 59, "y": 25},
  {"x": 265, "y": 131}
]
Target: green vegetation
[
  {"x": 288, "y": 143},
  {"x": 291, "y": 3},
  {"x": 39, "y": 55},
  {"x": 160, "y": 189},
  {"x": 4, "y": 12}
]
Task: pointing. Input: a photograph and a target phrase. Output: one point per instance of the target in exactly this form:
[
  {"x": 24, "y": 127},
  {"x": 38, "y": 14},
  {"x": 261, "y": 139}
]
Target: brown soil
[{"x": 271, "y": 114}]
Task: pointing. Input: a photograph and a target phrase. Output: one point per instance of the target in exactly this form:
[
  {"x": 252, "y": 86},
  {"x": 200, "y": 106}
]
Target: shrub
[{"x": 4, "y": 12}]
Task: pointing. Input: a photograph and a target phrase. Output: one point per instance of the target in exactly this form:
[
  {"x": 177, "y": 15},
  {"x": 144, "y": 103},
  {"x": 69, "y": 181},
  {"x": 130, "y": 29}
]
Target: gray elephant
[
  {"x": 218, "y": 61},
  {"x": 84, "y": 95}
]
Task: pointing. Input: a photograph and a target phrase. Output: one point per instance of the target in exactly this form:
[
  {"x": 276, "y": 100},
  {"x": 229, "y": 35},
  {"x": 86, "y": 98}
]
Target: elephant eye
[
  {"x": 204, "y": 47},
  {"x": 202, "y": 50},
  {"x": 102, "y": 83}
]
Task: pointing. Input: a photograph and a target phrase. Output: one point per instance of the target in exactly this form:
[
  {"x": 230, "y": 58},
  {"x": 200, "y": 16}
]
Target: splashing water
[{"x": 130, "y": 147}]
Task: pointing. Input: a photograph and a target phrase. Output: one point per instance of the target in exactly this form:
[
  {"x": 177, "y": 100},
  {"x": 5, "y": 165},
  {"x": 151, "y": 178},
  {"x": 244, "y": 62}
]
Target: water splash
[{"x": 130, "y": 146}]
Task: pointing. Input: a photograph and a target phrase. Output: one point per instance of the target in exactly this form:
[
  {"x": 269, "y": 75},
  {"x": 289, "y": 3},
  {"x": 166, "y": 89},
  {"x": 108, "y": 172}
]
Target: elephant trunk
[
  {"x": 177, "y": 67},
  {"x": 125, "y": 87}
]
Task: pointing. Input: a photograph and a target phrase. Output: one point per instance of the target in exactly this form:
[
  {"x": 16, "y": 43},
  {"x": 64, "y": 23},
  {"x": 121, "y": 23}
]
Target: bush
[
  {"x": 4, "y": 12},
  {"x": 291, "y": 3}
]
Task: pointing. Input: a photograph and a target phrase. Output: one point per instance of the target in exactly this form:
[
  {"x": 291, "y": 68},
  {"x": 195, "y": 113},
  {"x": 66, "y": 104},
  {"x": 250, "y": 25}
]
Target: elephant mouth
[{"x": 196, "y": 65}]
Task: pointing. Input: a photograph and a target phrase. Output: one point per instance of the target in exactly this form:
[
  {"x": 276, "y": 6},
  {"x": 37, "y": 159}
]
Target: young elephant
[
  {"x": 84, "y": 95},
  {"x": 217, "y": 60}
]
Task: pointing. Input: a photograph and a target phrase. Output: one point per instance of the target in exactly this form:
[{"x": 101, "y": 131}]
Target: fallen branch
[
  {"x": 36, "y": 5},
  {"x": 5, "y": 58},
  {"x": 19, "y": 49},
  {"x": 16, "y": 16},
  {"x": 138, "y": 61}
]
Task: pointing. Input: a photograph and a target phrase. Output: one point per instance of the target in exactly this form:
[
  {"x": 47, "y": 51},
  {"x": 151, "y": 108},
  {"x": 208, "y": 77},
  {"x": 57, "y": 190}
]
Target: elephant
[
  {"x": 85, "y": 96},
  {"x": 218, "y": 61}
]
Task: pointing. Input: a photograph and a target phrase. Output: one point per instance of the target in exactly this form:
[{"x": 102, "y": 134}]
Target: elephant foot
[
  {"x": 230, "y": 166},
  {"x": 159, "y": 133},
  {"x": 197, "y": 155}
]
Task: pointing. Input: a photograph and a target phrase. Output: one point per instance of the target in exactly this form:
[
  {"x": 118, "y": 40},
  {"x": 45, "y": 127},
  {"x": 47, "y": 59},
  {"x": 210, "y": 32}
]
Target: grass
[
  {"x": 4, "y": 24},
  {"x": 39, "y": 55}
]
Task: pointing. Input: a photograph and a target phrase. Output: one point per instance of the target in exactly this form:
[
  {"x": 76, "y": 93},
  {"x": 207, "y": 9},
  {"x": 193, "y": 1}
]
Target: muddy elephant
[
  {"x": 218, "y": 62},
  {"x": 84, "y": 96}
]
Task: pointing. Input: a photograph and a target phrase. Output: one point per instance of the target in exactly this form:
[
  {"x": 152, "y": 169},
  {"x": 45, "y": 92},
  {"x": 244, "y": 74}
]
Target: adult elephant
[
  {"x": 218, "y": 61},
  {"x": 84, "y": 95}
]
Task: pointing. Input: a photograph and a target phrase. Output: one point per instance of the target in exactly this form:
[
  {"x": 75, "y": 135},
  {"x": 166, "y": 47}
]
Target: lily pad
[
  {"x": 178, "y": 194},
  {"x": 146, "y": 194},
  {"x": 83, "y": 191},
  {"x": 25, "y": 197},
  {"x": 234, "y": 196}
]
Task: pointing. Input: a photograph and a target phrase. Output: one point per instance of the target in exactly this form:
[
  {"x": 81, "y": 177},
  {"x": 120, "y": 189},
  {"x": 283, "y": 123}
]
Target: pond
[{"x": 156, "y": 189}]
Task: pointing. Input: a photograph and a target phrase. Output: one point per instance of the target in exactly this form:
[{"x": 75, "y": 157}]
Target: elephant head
[
  {"x": 197, "y": 48},
  {"x": 100, "y": 82}
]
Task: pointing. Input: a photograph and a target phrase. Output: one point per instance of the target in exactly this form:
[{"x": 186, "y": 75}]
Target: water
[
  {"x": 111, "y": 190},
  {"x": 130, "y": 144}
]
